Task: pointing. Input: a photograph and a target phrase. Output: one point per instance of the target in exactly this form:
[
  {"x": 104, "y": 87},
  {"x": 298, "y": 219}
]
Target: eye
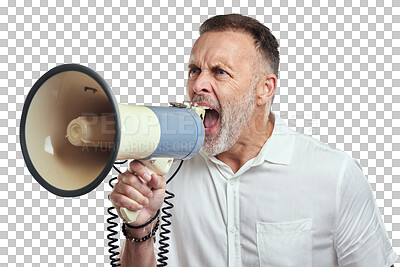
[
  {"x": 220, "y": 72},
  {"x": 194, "y": 72}
]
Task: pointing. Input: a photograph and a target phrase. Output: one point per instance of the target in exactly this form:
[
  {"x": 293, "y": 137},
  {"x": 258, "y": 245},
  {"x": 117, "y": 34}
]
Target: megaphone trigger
[{"x": 160, "y": 166}]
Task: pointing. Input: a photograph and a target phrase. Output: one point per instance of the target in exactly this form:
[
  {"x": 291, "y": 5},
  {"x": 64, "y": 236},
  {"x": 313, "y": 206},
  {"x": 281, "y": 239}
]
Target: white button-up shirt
[{"x": 298, "y": 203}]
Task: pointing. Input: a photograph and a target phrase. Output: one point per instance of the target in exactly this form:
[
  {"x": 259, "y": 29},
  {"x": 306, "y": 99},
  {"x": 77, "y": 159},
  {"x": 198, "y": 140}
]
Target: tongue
[{"x": 211, "y": 118}]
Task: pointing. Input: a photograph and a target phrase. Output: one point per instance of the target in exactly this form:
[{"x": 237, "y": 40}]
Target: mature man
[{"x": 259, "y": 194}]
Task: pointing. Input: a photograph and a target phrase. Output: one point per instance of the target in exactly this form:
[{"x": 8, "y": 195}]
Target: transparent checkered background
[{"x": 339, "y": 82}]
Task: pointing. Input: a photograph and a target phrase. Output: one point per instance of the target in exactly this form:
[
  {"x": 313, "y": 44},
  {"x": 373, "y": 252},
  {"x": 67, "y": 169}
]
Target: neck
[{"x": 249, "y": 144}]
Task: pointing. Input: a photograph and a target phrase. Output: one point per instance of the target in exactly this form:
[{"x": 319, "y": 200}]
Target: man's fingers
[
  {"x": 120, "y": 200},
  {"x": 132, "y": 180},
  {"x": 157, "y": 182},
  {"x": 131, "y": 192},
  {"x": 139, "y": 169},
  {"x": 136, "y": 194}
]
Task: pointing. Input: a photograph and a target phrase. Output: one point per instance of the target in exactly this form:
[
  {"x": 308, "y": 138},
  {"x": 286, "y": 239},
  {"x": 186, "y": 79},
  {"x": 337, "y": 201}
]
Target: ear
[{"x": 266, "y": 89}]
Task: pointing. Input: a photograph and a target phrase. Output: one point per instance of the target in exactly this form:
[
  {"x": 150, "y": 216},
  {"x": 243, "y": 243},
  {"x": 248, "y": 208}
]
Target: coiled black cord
[
  {"x": 162, "y": 255},
  {"x": 114, "y": 259},
  {"x": 166, "y": 222},
  {"x": 113, "y": 248}
]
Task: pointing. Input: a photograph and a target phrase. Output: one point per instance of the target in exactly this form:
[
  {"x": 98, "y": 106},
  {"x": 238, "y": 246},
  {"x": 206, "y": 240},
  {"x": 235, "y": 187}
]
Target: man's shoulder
[{"x": 313, "y": 151}]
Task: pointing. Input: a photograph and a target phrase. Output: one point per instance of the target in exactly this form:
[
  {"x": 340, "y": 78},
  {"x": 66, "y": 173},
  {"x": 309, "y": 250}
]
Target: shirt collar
[{"x": 279, "y": 147}]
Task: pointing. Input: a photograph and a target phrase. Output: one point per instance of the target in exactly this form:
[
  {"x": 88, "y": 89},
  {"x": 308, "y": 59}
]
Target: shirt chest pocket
[{"x": 286, "y": 244}]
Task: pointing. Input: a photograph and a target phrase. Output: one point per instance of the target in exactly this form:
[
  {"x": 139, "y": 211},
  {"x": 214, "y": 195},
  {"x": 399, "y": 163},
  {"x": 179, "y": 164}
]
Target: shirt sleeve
[{"x": 360, "y": 235}]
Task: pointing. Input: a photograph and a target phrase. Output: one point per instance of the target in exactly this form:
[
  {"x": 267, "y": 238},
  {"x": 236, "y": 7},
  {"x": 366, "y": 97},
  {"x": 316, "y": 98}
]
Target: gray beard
[{"x": 234, "y": 116}]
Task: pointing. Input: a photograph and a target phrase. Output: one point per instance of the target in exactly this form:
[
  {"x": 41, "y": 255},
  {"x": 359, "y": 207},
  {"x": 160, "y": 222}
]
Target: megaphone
[{"x": 73, "y": 130}]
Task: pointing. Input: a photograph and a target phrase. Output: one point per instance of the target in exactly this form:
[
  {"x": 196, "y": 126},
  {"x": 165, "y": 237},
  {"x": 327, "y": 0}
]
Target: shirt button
[
  {"x": 232, "y": 182},
  {"x": 233, "y": 229}
]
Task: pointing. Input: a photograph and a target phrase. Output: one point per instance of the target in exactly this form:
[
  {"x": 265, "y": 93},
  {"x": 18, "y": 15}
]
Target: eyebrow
[
  {"x": 220, "y": 65},
  {"x": 192, "y": 66},
  {"x": 213, "y": 66}
]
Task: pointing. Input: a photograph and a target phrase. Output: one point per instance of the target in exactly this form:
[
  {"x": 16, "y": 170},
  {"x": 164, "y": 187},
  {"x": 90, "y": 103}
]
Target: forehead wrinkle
[{"x": 219, "y": 62}]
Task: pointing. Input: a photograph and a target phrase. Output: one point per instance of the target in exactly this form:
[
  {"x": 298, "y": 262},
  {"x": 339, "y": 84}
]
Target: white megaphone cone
[{"x": 72, "y": 131}]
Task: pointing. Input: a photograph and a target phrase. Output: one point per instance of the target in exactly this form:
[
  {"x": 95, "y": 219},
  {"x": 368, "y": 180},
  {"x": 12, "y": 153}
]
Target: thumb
[{"x": 157, "y": 182}]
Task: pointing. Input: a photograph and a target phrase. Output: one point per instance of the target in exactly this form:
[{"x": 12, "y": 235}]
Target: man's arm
[
  {"x": 360, "y": 235},
  {"x": 146, "y": 195},
  {"x": 138, "y": 254}
]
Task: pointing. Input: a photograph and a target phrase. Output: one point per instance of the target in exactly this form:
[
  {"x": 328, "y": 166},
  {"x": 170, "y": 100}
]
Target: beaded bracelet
[{"x": 129, "y": 237}]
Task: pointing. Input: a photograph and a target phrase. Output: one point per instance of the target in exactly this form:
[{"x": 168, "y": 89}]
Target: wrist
[
  {"x": 141, "y": 233},
  {"x": 143, "y": 225},
  {"x": 140, "y": 238}
]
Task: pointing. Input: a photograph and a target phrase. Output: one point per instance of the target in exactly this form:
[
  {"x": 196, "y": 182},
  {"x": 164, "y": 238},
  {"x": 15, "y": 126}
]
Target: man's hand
[{"x": 131, "y": 192}]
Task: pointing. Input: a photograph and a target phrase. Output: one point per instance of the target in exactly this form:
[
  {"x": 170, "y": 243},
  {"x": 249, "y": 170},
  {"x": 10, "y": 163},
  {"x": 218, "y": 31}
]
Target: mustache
[{"x": 202, "y": 99}]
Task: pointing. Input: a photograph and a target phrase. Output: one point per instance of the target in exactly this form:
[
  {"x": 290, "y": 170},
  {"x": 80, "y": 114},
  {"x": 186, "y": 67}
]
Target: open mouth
[{"x": 211, "y": 118}]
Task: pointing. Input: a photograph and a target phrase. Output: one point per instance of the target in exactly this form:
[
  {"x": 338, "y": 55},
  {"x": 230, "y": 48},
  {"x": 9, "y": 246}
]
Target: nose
[{"x": 202, "y": 85}]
